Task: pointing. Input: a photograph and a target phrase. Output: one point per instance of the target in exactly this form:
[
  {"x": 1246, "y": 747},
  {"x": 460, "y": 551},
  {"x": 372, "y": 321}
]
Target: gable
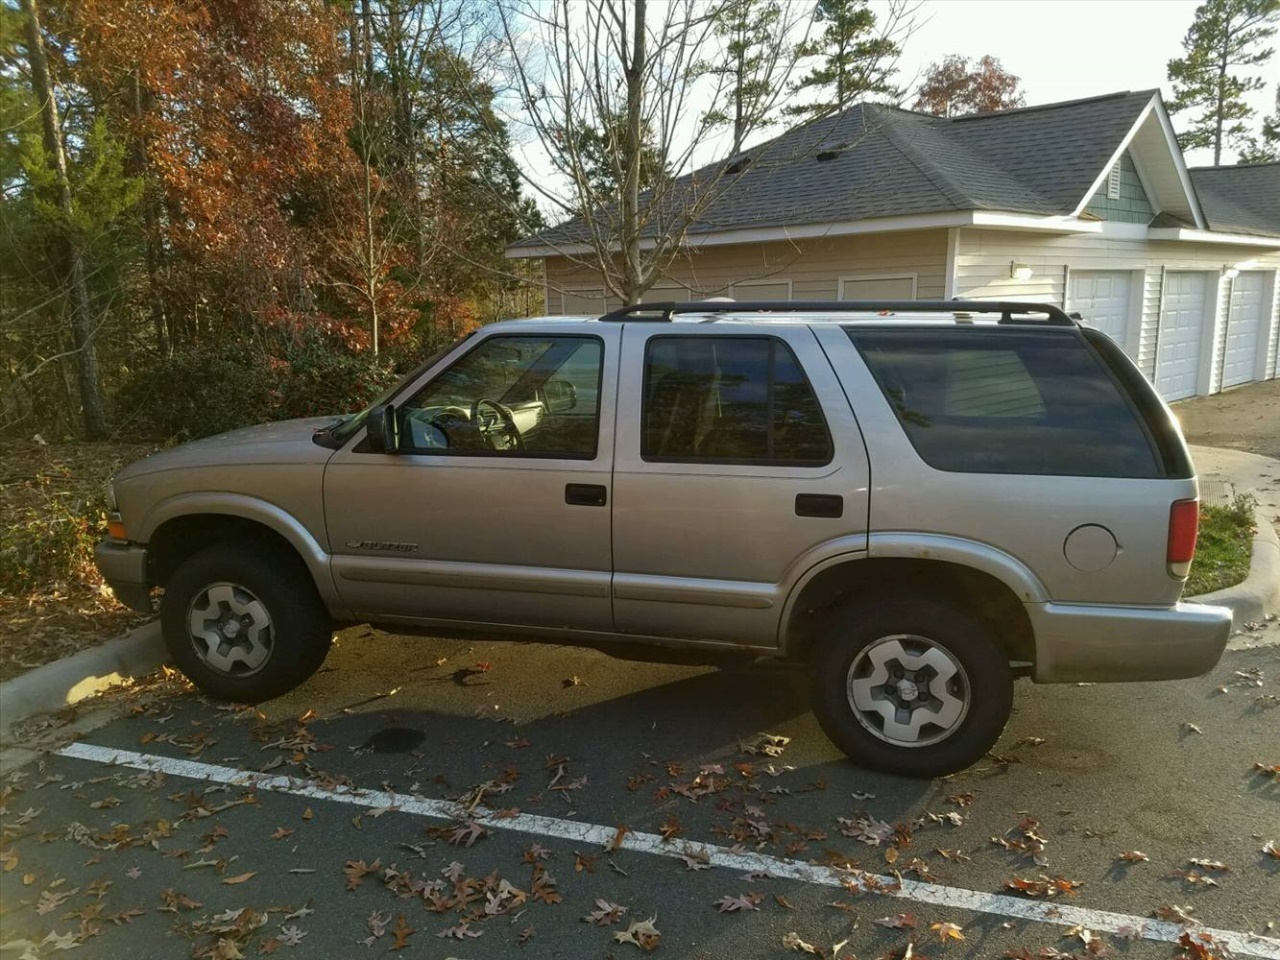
[{"x": 1131, "y": 206}]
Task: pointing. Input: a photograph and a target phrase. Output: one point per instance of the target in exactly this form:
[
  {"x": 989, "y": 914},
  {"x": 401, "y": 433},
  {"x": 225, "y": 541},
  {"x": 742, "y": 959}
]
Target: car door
[
  {"x": 737, "y": 457},
  {"x": 495, "y": 509}
]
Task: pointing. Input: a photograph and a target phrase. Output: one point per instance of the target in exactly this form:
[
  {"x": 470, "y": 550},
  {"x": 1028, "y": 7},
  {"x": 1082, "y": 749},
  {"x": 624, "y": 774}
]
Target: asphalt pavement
[{"x": 518, "y": 789}]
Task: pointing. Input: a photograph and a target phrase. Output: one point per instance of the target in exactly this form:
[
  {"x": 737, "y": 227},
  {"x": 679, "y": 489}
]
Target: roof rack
[{"x": 666, "y": 312}]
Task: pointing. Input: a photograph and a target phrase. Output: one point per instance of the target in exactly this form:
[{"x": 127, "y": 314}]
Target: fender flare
[
  {"x": 272, "y": 517},
  {"x": 1001, "y": 566}
]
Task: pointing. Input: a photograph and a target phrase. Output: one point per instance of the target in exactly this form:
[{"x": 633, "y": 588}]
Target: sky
[
  {"x": 1067, "y": 49},
  {"x": 1060, "y": 49}
]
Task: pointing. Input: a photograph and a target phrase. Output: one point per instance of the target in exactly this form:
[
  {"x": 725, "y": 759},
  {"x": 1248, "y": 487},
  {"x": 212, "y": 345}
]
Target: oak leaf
[
  {"x": 641, "y": 933},
  {"x": 402, "y": 932},
  {"x": 746, "y": 901},
  {"x": 605, "y": 913}
]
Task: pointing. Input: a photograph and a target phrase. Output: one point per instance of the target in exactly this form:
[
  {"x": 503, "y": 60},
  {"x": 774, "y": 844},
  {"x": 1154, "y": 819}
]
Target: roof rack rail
[{"x": 1008, "y": 309}]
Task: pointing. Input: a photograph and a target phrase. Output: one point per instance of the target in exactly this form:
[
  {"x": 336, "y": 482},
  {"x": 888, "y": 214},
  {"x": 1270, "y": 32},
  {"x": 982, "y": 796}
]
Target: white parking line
[{"x": 1243, "y": 944}]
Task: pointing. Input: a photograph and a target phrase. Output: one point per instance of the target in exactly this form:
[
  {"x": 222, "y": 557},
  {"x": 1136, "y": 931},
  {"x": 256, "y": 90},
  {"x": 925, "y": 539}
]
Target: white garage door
[
  {"x": 1102, "y": 298},
  {"x": 1243, "y": 328},
  {"x": 1181, "y": 332}
]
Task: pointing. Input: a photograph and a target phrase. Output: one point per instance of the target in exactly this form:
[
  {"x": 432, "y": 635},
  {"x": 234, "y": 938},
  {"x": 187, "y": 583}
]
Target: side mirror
[
  {"x": 561, "y": 396},
  {"x": 383, "y": 430}
]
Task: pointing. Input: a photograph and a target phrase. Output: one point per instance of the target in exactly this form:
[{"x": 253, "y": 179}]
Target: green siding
[{"x": 1132, "y": 207}]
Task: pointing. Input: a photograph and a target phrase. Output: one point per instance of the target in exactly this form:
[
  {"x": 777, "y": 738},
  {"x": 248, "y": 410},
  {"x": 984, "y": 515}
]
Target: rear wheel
[
  {"x": 244, "y": 624},
  {"x": 915, "y": 687}
]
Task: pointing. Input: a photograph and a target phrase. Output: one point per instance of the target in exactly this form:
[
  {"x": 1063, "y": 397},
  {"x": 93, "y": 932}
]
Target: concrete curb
[
  {"x": 75, "y": 678},
  {"x": 1259, "y": 593}
]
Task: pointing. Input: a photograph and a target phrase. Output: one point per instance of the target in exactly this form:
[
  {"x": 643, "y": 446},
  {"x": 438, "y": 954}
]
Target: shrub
[
  {"x": 200, "y": 392},
  {"x": 51, "y": 539}
]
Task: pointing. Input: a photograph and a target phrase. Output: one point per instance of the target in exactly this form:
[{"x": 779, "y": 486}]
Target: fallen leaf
[
  {"x": 616, "y": 842},
  {"x": 402, "y": 933},
  {"x": 1133, "y": 856},
  {"x": 306, "y": 814},
  {"x": 746, "y": 901},
  {"x": 1210, "y": 865},
  {"x": 291, "y": 936},
  {"x": 1175, "y": 914},
  {"x": 641, "y": 933},
  {"x": 240, "y": 878},
  {"x": 466, "y": 834},
  {"x": 282, "y": 832},
  {"x": 1271, "y": 849},
  {"x": 783, "y": 902},
  {"x": 605, "y": 913},
  {"x": 947, "y": 931},
  {"x": 900, "y": 921},
  {"x": 792, "y": 941},
  {"x": 357, "y": 870},
  {"x": 460, "y": 931}
]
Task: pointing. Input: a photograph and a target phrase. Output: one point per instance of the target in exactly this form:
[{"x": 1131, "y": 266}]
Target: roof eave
[
  {"x": 1038, "y": 223},
  {"x": 1209, "y": 236}
]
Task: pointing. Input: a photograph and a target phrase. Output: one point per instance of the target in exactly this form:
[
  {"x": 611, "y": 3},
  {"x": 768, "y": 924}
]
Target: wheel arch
[
  {"x": 841, "y": 580},
  {"x": 182, "y": 526}
]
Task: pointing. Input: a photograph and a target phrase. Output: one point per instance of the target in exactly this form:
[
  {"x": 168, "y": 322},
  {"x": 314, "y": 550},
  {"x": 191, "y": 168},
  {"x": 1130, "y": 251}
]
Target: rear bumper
[
  {"x": 124, "y": 567},
  {"x": 1088, "y": 642}
]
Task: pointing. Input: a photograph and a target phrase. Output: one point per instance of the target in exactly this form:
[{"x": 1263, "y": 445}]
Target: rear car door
[
  {"x": 496, "y": 508},
  {"x": 736, "y": 455}
]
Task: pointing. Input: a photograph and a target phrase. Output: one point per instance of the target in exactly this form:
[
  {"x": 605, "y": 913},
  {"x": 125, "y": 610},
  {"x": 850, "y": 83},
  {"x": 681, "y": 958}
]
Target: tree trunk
[
  {"x": 1222, "y": 96},
  {"x": 634, "y": 153},
  {"x": 95, "y": 421},
  {"x": 151, "y": 228}
]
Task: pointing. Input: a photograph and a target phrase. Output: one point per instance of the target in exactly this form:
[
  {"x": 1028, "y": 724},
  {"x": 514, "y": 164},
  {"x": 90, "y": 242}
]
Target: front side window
[
  {"x": 730, "y": 400},
  {"x": 1008, "y": 401},
  {"x": 511, "y": 396}
]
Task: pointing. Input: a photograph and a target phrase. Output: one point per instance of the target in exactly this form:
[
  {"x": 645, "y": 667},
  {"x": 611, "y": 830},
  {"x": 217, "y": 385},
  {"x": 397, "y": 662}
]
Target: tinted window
[
  {"x": 514, "y": 396},
  {"x": 730, "y": 400},
  {"x": 1008, "y": 401}
]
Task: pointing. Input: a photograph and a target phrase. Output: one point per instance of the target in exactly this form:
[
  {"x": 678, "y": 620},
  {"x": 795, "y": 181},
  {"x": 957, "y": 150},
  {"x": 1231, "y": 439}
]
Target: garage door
[
  {"x": 1102, "y": 298},
  {"x": 1181, "y": 332},
  {"x": 1243, "y": 328}
]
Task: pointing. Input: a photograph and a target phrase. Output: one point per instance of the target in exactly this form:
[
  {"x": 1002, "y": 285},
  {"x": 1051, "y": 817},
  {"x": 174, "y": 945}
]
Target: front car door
[
  {"x": 738, "y": 458},
  {"x": 495, "y": 510}
]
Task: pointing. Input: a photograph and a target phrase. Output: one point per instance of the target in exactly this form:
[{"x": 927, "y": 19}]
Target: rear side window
[
  {"x": 730, "y": 400},
  {"x": 1008, "y": 401}
]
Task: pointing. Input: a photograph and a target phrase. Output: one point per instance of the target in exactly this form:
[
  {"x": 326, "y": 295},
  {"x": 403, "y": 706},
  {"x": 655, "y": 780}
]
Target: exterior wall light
[
  {"x": 1230, "y": 272},
  {"x": 1019, "y": 271}
]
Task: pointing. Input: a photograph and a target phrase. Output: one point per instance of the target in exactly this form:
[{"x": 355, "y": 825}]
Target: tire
[
  {"x": 261, "y": 606},
  {"x": 918, "y": 648}
]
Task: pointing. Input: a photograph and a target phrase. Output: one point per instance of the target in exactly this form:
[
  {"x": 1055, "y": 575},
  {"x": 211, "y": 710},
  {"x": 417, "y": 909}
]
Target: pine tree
[
  {"x": 1265, "y": 148},
  {"x": 856, "y": 59},
  {"x": 1225, "y": 39},
  {"x": 756, "y": 62}
]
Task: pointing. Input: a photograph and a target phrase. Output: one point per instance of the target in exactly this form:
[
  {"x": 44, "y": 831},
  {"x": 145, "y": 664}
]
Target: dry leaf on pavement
[
  {"x": 947, "y": 931},
  {"x": 641, "y": 933},
  {"x": 747, "y": 901}
]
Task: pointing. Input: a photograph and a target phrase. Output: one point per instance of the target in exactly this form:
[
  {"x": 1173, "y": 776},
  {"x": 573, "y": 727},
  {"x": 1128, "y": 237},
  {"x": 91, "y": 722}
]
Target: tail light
[{"x": 1184, "y": 524}]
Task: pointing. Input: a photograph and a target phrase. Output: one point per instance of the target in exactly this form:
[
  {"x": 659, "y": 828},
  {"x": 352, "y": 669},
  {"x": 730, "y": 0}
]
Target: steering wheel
[{"x": 514, "y": 440}]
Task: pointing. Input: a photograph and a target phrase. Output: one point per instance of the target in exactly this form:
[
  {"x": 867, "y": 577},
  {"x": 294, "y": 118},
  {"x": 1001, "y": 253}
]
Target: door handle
[
  {"x": 819, "y": 505},
  {"x": 586, "y": 494}
]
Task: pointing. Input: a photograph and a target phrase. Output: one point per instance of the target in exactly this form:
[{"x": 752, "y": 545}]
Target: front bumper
[
  {"x": 1078, "y": 642},
  {"x": 124, "y": 567}
]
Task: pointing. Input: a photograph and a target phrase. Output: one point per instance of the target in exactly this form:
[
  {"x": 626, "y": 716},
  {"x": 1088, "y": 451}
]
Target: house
[{"x": 1086, "y": 204}]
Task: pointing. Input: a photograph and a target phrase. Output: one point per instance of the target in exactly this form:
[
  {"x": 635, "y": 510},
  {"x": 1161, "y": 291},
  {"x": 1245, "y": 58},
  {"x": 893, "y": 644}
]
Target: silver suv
[{"x": 921, "y": 500}]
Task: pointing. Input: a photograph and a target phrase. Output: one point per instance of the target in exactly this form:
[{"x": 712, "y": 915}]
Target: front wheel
[
  {"x": 913, "y": 687},
  {"x": 244, "y": 624}
]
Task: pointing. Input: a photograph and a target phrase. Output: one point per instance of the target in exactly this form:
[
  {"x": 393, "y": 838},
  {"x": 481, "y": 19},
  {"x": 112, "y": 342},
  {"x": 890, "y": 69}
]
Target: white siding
[{"x": 984, "y": 256}]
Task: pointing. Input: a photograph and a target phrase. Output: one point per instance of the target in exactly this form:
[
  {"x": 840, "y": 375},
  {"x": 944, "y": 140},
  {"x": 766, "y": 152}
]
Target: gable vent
[
  {"x": 737, "y": 164},
  {"x": 1113, "y": 182},
  {"x": 831, "y": 149}
]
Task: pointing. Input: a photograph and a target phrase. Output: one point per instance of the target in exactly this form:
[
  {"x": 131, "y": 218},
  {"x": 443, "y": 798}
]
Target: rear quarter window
[{"x": 1008, "y": 401}]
